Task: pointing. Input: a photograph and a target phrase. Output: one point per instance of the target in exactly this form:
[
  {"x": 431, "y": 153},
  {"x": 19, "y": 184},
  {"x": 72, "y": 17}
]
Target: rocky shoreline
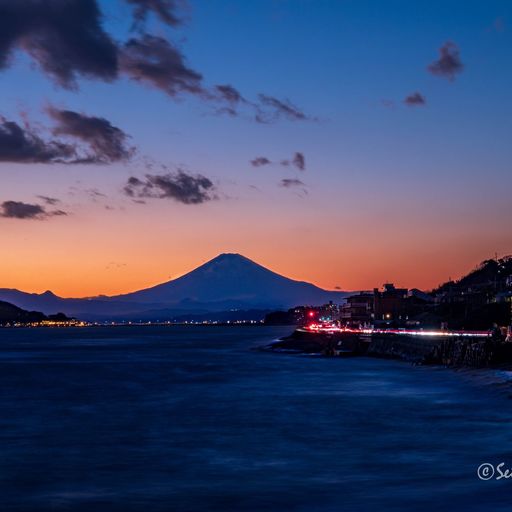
[{"x": 465, "y": 352}]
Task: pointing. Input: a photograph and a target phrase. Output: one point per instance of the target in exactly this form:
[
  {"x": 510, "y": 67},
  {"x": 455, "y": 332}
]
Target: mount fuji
[{"x": 227, "y": 282}]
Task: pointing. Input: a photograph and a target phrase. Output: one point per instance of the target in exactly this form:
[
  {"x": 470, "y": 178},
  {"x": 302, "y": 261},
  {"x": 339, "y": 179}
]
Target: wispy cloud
[
  {"x": 52, "y": 201},
  {"x": 230, "y": 94},
  {"x": 271, "y": 109},
  {"x": 265, "y": 109},
  {"x": 164, "y": 9}
]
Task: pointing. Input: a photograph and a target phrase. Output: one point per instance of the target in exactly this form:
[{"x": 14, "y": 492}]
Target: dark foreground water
[{"x": 191, "y": 419}]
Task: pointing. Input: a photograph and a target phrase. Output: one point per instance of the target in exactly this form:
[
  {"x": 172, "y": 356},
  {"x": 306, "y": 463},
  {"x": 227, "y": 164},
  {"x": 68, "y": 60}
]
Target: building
[
  {"x": 358, "y": 310},
  {"x": 397, "y": 306},
  {"x": 390, "y": 304}
]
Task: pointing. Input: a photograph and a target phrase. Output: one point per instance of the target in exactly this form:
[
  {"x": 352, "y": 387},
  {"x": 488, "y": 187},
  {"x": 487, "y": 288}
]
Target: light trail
[{"x": 331, "y": 329}]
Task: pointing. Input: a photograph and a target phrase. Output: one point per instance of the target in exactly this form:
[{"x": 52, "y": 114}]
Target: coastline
[{"x": 454, "y": 353}]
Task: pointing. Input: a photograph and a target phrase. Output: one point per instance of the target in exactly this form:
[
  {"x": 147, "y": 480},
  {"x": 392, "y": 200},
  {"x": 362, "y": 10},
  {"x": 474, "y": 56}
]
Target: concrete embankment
[
  {"x": 396, "y": 346},
  {"x": 457, "y": 352},
  {"x": 445, "y": 350}
]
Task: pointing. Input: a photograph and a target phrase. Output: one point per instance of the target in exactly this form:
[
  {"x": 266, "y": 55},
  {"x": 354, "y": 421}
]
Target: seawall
[{"x": 444, "y": 350}]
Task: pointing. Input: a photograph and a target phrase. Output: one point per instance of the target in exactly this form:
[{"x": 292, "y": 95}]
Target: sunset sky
[{"x": 345, "y": 143}]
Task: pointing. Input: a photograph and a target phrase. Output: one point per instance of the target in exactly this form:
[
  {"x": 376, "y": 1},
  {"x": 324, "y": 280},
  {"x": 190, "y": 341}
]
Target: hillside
[
  {"x": 494, "y": 274},
  {"x": 10, "y": 313}
]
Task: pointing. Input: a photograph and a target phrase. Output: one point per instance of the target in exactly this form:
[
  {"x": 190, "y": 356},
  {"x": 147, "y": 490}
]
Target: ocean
[{"x": 184, "y": 418}]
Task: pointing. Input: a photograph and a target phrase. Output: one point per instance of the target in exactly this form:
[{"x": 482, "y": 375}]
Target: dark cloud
[
  {"x": 259, "y": 161},
  {"x": 64, "y": 37},
  {"x": 22, "y": 145},
  {"x": 179, "y": 186},
  {"x": 299, "y": 161},
  {"x": 97, "y": 141},
  {"x": 107, "y": 143},
  {"x": 271, "y": 109},
  {"x": 449, "y": 63},
  {"x": 155, "y": 61},
  {"x": 20, "y": 210},
  {"x": 415, "y": 99},
  {"x": 164, "y": 9},
  {"x": 67, "y": 40},
  {"x": 291, "y": 182}
]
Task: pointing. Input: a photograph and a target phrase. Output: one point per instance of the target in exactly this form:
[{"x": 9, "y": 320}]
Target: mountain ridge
[
  {"x": 227, "y": 282},
  {"x": 220, "y": 270}
]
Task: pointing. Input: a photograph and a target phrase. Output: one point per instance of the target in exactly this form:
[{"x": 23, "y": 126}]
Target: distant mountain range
[{"x": 224, "y": 284}]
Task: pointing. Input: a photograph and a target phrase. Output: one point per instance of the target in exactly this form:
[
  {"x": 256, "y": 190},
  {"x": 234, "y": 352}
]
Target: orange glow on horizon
[
  {"x": 100, "y": 275},
  {"x": 113, "y": 252}
]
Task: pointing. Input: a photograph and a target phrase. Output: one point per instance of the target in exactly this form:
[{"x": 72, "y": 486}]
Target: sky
[{"x": 344, "y": 143}]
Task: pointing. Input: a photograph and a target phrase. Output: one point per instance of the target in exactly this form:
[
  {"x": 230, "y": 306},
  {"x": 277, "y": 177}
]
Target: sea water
[{"x": 184, "y": 418}]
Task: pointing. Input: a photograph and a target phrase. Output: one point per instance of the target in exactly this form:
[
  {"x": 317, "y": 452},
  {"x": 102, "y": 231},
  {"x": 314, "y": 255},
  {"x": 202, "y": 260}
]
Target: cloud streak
[
  {"x": 270, "y": 109},
  {"x": 291, "y": 182},
  {"x": 52, "y": 201},
  {"x": 265, "y": 110}
]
